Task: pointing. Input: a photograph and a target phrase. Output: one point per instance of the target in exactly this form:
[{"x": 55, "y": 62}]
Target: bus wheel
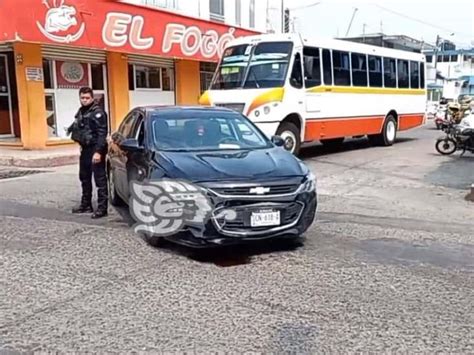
[
  {"x": 388, "y": 135},
  {"x": 291, "y": 135}
]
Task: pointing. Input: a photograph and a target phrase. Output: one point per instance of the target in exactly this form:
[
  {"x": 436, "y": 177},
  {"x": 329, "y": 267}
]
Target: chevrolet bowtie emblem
[{"x": 259, "y": 190}]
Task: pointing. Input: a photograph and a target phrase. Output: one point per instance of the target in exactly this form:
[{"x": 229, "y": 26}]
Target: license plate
[{"x": 262, "y": 219}]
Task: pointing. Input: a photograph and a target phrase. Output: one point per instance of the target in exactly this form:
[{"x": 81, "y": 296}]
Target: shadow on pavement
[
  {"x": 348, "y": 145},
  {"x": 223, "y": 256},
  {"x": 236, "y": 255}
]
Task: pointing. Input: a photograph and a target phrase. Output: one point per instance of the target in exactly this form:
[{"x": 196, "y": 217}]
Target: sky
[{"x": 421, "y": 19}]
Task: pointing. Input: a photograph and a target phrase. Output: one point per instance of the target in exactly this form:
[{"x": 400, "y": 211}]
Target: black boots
[
  {"x": 99, "y": 214},
  {"x": 87, "y": 208},
  {"x": 83, "y": 208}
]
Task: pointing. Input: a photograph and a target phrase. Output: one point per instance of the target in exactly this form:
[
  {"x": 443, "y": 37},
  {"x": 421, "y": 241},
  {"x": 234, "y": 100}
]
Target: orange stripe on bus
[
  {"x": 409, "y": 121},
  {"x": 342, "y": 127}
]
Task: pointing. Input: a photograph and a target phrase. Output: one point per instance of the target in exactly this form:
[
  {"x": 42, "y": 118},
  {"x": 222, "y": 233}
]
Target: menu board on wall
[{"x": 71, "y": 75}]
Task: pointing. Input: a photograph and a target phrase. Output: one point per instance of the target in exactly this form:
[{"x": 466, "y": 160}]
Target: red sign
[
  {"x": 71, "y": 75},
  {"x": 115, "y": 26}
]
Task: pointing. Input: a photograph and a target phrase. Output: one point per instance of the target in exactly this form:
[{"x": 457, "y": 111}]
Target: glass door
[{"x": 6, "y": 117}]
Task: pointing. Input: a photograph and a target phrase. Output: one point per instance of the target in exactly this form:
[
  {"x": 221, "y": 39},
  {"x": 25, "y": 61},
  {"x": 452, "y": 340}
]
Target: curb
[
  {"x": 40, "y": 162},
  {"x": 470, "y": 195}
]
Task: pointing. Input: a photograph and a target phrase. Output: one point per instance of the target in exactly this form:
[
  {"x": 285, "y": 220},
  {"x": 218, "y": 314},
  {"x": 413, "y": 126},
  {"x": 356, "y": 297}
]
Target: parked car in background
[{"x": 270, "y": 192}]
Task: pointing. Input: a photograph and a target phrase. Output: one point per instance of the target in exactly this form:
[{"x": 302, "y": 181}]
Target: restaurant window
[
  {"x": 206, "y": 72},
  {"x": 147, "y": 77},
  {"x": 48, "y": 74},
  {"x": 167, "y": 79},
  {"x": 97, "y": 76}
]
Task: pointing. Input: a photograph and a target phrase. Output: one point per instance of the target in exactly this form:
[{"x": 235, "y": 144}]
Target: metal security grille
[
  {"x": 153, "y": 61},
  {"x": 11, "y": 174},
  {"x": 83, "y": 55}
]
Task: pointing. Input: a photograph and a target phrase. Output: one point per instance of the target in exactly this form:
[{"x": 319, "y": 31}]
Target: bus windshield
[{"x": 251, "y": 67}]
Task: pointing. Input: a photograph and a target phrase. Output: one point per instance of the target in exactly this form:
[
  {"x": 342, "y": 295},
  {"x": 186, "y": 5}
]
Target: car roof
[{"x": 166, "y": 110}]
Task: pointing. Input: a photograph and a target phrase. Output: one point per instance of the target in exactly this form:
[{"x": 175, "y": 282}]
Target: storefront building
[{"x": 130, "y": 55}]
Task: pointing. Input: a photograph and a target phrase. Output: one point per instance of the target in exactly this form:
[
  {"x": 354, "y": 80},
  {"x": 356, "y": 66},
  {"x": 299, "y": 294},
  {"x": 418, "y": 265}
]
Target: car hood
[{"x": 270, "y": 163}]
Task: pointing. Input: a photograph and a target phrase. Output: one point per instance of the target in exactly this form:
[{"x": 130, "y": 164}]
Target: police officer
[{"x": 90, "y": 130}]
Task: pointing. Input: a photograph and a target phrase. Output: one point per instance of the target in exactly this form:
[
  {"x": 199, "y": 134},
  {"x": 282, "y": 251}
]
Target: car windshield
[
  {"x": 245, "y": 66},
  {"x": 204, "y": 132}
]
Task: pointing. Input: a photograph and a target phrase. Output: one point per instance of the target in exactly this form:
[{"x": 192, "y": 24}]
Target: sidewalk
[{"x": 16, "y": 156}]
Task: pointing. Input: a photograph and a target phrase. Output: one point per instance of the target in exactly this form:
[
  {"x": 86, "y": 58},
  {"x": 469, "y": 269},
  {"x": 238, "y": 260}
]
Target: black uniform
[{"x": 90, "y": 130}]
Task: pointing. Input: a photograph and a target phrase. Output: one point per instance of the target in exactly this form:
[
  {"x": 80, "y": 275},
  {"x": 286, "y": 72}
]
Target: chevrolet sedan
[{"x": 204, "y": 176}]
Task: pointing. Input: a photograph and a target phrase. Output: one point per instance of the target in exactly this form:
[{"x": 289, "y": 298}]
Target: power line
[{"x": 417, "y": 20}]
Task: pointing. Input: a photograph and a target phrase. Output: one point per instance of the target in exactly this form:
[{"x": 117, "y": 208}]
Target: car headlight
[{"x": 309, "y": 184}]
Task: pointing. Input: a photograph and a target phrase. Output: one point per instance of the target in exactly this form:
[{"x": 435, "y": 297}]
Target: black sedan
[{"x": 204, "y": 176}]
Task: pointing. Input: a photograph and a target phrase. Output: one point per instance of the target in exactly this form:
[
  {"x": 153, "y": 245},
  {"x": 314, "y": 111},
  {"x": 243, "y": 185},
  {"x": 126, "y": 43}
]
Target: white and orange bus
[{"x": 306, "y": 90}]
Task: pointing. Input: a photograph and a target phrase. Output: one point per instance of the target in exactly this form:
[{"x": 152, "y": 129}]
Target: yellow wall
[
  {"x": 117, "y": 73},
  {"x": 31, "y": 105},
  {"x": 188, "y": 87}
]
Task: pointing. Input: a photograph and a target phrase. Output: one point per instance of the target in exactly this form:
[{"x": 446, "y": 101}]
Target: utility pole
[
  {"x": 282, "y": 16},
  {"x": 436, "y": 52},
  {"x": 350, "y": 23}
]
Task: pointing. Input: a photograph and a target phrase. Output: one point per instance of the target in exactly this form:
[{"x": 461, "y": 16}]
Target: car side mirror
[
  {"x": 278, "y": 141},
  {"x": 130, "y": 145}
]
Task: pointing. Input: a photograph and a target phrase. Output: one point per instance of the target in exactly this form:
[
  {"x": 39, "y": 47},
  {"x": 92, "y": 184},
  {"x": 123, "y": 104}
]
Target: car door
[
  {"x": 137, "y": 163},
  {"x": 118, "y": 157}
]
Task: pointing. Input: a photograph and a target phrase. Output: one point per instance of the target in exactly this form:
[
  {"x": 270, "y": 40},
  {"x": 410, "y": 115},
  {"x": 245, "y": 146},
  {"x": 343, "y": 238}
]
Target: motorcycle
[
  {"x": 458, "y": 137},
  {"x": 441, "y": 118}
]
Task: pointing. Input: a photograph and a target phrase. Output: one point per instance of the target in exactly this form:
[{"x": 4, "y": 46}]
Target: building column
[
  {"x": 188, "y": 86},
  {"x": 118, "y": 88},
  {"x": 31, "y": 102}
]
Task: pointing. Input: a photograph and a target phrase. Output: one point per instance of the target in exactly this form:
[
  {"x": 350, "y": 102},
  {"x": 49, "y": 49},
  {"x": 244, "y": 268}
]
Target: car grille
[
  {"x": 245, "y": 190},
  {"x": 289, "y": 214},
  {"x": 239, "y": 107}
]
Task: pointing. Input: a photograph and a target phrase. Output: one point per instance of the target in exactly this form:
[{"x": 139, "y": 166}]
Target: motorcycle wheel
[{"x": 446, "y": 146}]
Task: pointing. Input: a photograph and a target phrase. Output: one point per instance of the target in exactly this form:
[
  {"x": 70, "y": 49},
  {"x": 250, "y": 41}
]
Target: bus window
[
  {"x": 375, "y": 71},
  {"x": 422, "y": 75},
  {"x": 390, "y": 72},
  {"x": 296, "y": 79},
  {"x": 268, "y": 65},
  {"x": 312, "y": 67},
  {"x": 402, "y": 69},
  {"x": 341, "y": 68},
  {"x": 414, "y": 75},
  {"x": 327, "y": 71},
  {"x": 359, "y": 69}
]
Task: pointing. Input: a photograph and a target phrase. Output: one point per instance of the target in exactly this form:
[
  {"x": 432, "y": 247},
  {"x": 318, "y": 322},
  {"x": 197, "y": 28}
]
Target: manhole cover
[{"x": 11, "y": 174}]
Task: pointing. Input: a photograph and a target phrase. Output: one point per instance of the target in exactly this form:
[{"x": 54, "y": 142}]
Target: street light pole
[
  {"x": 282, "y": 16},
  {"x": 436, "y": 52}
]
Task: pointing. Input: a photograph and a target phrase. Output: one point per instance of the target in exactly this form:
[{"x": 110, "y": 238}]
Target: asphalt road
[{"x": 387, "y": 266}]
